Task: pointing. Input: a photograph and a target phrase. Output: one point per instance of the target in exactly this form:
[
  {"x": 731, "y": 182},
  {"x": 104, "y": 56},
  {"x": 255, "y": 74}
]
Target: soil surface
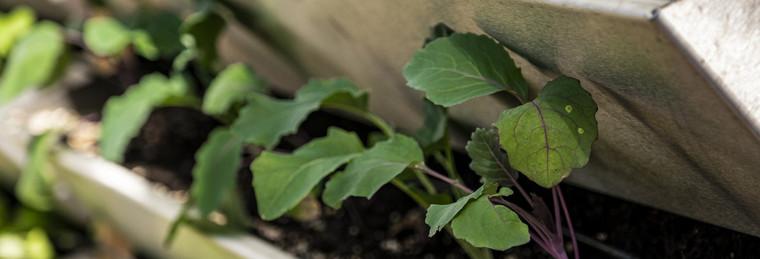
[{"x": 392, "y": 226}]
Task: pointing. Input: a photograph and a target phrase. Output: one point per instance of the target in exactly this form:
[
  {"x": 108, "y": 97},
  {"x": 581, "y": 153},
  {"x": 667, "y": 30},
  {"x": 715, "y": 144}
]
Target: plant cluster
[{"x": 543, "y": 138}]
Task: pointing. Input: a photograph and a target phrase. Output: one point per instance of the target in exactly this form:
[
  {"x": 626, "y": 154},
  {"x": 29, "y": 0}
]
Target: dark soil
[{"x": 391, "y": 226}]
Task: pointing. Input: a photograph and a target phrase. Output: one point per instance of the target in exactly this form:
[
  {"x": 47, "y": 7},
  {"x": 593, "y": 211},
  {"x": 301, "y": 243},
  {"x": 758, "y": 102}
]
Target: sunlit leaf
[
  {"x": 13, "y": 26},
  {"x": 282, "y": 117},
  {"x": 460, "y": 67},
  {"x": 549, "y": 136},
  {"x": 439, "y": 215},
  {"x": 124, "y": 115},
  {"x": 32, "y": 61},
  {"x": 483, "y": 224},
  {"x": 280, "y": 181},
  {"x": 105, "y": 36},
  {"x": 214, "y": 174},
  {"x": 376, "y": 167},
  {"x": 488, "y": 160},
  {"x": 37, "y": 245},
  {"x": 233, "y": 85},
  {"x": 34, "y": 185}
]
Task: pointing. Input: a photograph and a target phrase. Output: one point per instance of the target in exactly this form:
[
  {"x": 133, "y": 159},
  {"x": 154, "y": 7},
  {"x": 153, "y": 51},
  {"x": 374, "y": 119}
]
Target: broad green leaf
[
  {"x": 439, "y": 215},
  {"x": 105, "y": 36},
  {"x": 233, "y": 85},
  {"x": 33, "y": 187},
  {"x": 124, "y": 115},
  {"x": 282, "y": 117},
  {"x": 280, "y": 181},
  {"x": 460, "y": 67},
  {"x": 33, "y": 60},
  {"x": 488, "y": 160},
  {"x": 13, "y": 26},
  {"x": 203, "y": 28},
  {"x": 549, "y": 136},
  {"x": 215, "y": 171},
  {"x": 433, "y": 127},
  {"x": 375, "y": 167},
  {"x": 482, "y": 224}
]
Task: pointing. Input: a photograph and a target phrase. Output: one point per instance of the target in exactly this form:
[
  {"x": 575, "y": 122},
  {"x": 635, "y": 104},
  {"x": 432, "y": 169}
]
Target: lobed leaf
[
  {"x": 488, "y": 160},
  {"x": 32, "y": 61},
  {"x": 439, "y": 215},
  {"x": 460, "y": 67},
  {"x": 105, "y": 36},
  {"x": 124, "y": 115},
  {"x": 549, "y": 136},
  {"x": 280, "y": 181},
  {"x": 13, "y": 26},
  {"x": 482, "y": 224},
  {"x": 233, "y": 85},
  {"x": 374, "y": 168},
  {"x": 283, "y": 117},
  {"x": 215, "y": 171}
]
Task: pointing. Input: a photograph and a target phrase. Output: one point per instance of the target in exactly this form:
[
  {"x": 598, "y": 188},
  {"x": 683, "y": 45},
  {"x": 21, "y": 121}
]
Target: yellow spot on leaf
[
  {"x": 568, "y": 108},
  {"x": 581, "y": 131}
]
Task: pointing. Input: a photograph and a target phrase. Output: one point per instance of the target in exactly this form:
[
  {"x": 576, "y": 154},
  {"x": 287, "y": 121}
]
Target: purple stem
[
  {"x": 576, "y": 254},
  {"x": 557, "y": 216}
]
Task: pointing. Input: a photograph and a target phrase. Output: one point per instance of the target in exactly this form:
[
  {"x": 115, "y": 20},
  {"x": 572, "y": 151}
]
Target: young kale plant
[{"x": 544, "y": 139}]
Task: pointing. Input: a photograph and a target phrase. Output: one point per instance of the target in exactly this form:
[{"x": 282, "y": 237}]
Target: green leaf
[
  {"x": 144, "y": 45},
  {"x": 161, "y": 30},
  {"x": 183, "y": 59},
  {"x": 282, "y": 117},
  {"x": 13, "y": 26},
  {"x": 124, "y": 115},
  {"x": 503, "y": 192},
  {"x": 215, "y": 171},
  {"x": 37, "y": 245},
  {"x": 488, "y": 160},
  {"x": 33, "y": 187},
  {"x": 203, "y": 29},
  {"x": 482, "y": 224},
  {"x": 439, "y": 215},
  {"x": 433, "y": 127},
  {"x": 106, "y": 36},
  {"x": 549, "y": 136},
  {"x": 458, "y": 68},
  {"x": 231, "y": 86},
  {"x": 280, "y": 181},
  {"x": 375, "y": 167},
  {"x": 32, "y": 62}
]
